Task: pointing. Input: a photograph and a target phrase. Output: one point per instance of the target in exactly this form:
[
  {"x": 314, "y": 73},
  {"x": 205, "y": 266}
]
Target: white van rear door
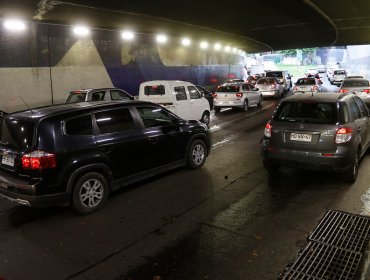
[
  {"x": 183, "y": 106},
  {"x": 198, "y": 104}
]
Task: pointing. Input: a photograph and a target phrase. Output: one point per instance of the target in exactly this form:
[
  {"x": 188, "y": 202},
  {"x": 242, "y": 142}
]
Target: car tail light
[
  {"x": 268, "y": 128},
  {"x": 343, "y": 135},
  {"x": 214, "y": 95},
  {"x": 315, "y": 88},
  {"x": 295, "y": 88},
  {"x": 239, "y": 94},
  {"x": 366, "y": 90},
  {"x": 273, "y": 86},
  {"x": 39, "y": 160},
  {"x": 343, "y": 90}
]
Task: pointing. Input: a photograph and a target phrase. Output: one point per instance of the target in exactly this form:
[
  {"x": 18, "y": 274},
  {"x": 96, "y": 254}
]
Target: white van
[{"x": 181, "y": 98}]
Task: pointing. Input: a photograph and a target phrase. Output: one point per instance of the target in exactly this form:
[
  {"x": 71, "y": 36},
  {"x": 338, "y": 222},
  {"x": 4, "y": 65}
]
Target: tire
[
  {"x": 350, "y": 175},
  {"x": 205, "y": 118},
  {"x": 197, "y": 154},
  {"x": 271, "y": 169},
  {"x": 245, "y": 105},
  {"x": 217, "y": 109},
  {"x": 90, "y": 193},
  {"x": 259, "y": 104}
]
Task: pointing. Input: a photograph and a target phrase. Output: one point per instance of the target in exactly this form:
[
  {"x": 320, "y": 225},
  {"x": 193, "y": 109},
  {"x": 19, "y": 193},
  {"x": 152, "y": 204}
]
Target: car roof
[
  {"x": 357, "y": 79},
  {"x": 93, "y": 89},
  {"x": 317, "y": 97},
  {"x": 54, "y": 110}
]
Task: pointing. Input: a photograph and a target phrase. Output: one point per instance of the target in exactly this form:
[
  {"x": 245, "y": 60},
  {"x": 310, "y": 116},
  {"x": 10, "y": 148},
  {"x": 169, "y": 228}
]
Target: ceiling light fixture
[
  {"x": 14, "y": 25},
  {"x": 186, "y": 42},
  {"x": 218, "y": 46},
  {"x": 161, "y": 38},
  {"x": 127, "y": 35},
  {"x": 81, "y": 30},
  {"x": 203, "y": 45}
]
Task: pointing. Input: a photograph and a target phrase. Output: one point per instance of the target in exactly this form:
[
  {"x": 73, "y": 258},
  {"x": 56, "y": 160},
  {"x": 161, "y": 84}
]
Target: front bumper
[{"x": 23, "y": 191}]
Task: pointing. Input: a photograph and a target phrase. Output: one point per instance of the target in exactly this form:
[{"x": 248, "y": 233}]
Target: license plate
[
  {"x": 8, "y": 160},
  {"x": 225, "y": 102},
  {"x": 301, "y": 137}
]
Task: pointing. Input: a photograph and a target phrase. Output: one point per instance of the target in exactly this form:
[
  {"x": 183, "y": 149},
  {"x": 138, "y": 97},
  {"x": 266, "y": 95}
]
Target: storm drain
[
  {"x": 335, "y": 249},
  {"x": 343, "y": 230}
]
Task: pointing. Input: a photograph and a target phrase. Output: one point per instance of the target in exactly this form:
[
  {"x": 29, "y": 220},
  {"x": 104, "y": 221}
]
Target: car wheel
[
  {"x": 245, "y": 105},
  {"x": 197, "y": 154},
  {"x": 259, "y": 104},
  {"x": 217, "y": 109},
  {"x": 271, "y": 168},
  {"x": 350, "y": 176},
  {"x": 90, "y": 193},
  {"x": 205, "y": 118}
]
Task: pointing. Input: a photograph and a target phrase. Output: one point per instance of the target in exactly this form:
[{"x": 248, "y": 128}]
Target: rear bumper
[
  {"x": 236, "y": 103},
  {"x": 306, "y": 160},
  {"x": 269, "y": 93},
  {"x": 23, "y": 192}
]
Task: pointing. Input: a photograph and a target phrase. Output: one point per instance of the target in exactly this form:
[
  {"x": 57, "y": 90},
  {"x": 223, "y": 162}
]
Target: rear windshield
[
  {"x": 339, "y": 72},
  {"x": 231, "y": 88},
  {"x": 307, "y": 112},
  {"x": 362, "y": 83},
  {"x": 265, "y": 81},
  {"x": 306, "y": 82},
  {"x": 16, "y": 133},
  {"x": 75, "y": 97},
  {"x": 277, "y": 74},
  {"x": 154, "y": 90}
]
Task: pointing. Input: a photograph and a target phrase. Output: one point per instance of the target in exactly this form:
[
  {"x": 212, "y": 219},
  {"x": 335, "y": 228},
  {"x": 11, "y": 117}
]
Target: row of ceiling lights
[{"x": 83, "y": 31}]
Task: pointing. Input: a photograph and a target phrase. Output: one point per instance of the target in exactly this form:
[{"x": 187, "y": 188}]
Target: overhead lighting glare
[
  {"x": 203, "y": 45},
  {"x": 127, "y": 35},
  {"x": 82, "y": 31},
  {"x": 227, "y": 49},
  {"x": 235, "y": 50},
  {"x": 14, "y": 25},
  {"x": 161, "y": 38},
  {"x": 186, "y": 42},
  {"x": 217, "y": 46}
]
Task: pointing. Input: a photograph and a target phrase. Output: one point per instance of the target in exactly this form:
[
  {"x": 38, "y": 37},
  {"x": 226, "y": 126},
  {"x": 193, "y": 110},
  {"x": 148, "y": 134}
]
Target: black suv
[
  {"x": 324, "y": 131},
  {"x": 75, "y": 154},
  {"x": 98, "y": 94}
]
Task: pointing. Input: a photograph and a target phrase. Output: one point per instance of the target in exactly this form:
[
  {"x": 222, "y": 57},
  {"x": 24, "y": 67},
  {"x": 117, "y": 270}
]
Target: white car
[
  {"x": 312, "y": 72},
  {"x": 270, "y": 87},
  {"x": 307, "y": 85},
  {"x": 180, "y": 97},
  {"x": 236, "y": 95},
  {"x": 338, "y": 76},
  {"x": 360, "y": 87}
]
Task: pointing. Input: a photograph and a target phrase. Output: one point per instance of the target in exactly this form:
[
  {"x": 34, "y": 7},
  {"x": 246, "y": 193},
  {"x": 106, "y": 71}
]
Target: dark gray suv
[{"x": 325, "y": 131}]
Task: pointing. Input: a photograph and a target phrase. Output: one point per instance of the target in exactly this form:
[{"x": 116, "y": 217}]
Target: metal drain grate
[
  {"x": 322, "y": 262},
  {"x": 343, "y": 230}
]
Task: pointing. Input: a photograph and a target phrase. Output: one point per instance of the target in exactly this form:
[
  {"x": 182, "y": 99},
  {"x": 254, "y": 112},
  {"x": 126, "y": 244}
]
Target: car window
[
  {"x": 306, "y": 82},
  {"x": 97, "y": 96},
  {"x": 79, "y": 126},
  {"x": 154, "y": 116},
  {"x": 118, "y": 95},
  {"x": 154, "y": 90},
  {"x": 307, "y": 112},
  {"x": 339, "y": 72},
  {"x": 19, "y": 133},
  {"x": 277, "y": 74},
  {"x": 343, "y": 113},
  {"x": 362, "y": 107},
  {"x": 194, "y": 93},
  {"x": 355, "y": 83},
  {"x": 75, "y": 97},
  {"x": 201, "y": 90},
  {"x": 180, "y": 93},
  {"x": 246, "y": 87},
  {"x": 118, "y": 120},
  {"x": 355, "y": 111},
  {"x": 231, "y": 88}
]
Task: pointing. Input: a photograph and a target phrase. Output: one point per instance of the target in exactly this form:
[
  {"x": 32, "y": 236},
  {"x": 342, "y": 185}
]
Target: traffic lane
[
  {"x": 327, "y": 87},
  {"x": 258, "y": 224},
  {"x": 66, "y": 245},
  {"x": 262, "y": 231}
]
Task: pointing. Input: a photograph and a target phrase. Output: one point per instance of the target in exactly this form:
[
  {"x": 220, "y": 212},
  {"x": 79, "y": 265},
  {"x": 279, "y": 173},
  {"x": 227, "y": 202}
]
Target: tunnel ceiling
[{"x": 252, "y": 25}]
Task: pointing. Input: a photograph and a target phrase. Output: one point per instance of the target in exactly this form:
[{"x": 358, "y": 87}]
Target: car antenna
[{"x": 26, "y": 105}]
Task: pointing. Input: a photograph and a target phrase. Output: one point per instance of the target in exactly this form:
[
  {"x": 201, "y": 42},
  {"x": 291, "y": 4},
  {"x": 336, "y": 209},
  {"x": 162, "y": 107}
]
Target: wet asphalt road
[{"x": 227, "y": 220}]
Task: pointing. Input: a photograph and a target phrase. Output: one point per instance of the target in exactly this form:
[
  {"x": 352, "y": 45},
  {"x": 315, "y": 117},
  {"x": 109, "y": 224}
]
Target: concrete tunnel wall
[{"x": 41, "y": 66}]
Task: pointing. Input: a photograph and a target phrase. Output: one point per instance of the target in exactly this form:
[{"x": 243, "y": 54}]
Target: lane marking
[
  {"x": 225, "y": 140},
  {"x": 218, "y": 127}
]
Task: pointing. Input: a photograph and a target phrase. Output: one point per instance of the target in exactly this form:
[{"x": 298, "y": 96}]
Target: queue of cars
[{"x": 103, "y": 139}]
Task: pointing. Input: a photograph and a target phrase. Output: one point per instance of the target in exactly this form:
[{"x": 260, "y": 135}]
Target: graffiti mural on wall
[{"x": 45, "y": 63}]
